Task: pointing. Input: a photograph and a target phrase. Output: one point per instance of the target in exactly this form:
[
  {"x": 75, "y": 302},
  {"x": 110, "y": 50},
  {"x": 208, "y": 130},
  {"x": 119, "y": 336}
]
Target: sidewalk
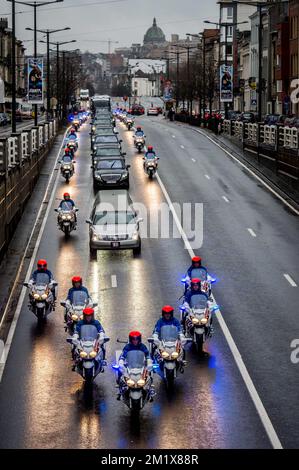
[{"x": 277, "y": 182}]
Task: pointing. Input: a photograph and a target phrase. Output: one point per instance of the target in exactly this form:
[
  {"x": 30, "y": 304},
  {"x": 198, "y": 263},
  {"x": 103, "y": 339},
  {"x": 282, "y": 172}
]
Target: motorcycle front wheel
[
  {"x": 199, "y": 344},
  {"x": 169, "y": 378},
  {"x": 40, "y": 314},
  {"x": 88, "y": 376},
  {"x": 136, "y": 406}
]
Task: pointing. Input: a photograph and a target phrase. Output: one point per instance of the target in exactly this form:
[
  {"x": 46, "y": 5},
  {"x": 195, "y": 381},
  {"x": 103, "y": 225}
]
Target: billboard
[
  {"x": 35, "y": 81},
  {"x": 226, "y": 83},
  {"x": 168, "y": 91}
]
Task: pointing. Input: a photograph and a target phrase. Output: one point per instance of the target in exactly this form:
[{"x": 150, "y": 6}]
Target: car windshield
[
  {"x": 199, "y": 273},
  {"x": 198, "y": 301},
  {"x": 135, "y": 359},
  {"x": 107, "y": 131},
  {"x": 150, "y": 156},
  {"x": 110, "y": 164},
  {"x": 79, "y": 297},
  {"x": 66, "y": 159},
  {"x": 113, "y": 218},
  {"x": 106, "y": 152},
  {"x": 169, "y": 333},
  {"x": 104, "y": 139},
  {"x": 66, "y": 206},
  {"x": 88, "y": 333},
  {"x": 42, "y": 279}
]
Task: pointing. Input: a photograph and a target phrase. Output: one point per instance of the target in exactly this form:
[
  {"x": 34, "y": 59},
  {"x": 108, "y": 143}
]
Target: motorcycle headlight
[
  {"x": 141, "y": 383},
  {"x": 36, "y": 296},
  {"x": 130, "y": 383},
  {"x": 165, "y": 355},
  {"x": 83, "y": 354},
  {"x": 63, "y": 217},
  {"x": 195, "y": 321},
  {"x": 75, "y": 317},
  {"x": 204, "y": 321},
  {"x": 174, "y": 355},
  {"x": 93, "y": 354},
  {"x": 69, "y": 217},
  {"x": 44, "y": 297}
]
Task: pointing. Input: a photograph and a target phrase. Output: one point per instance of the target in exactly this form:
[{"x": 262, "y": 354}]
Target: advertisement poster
[
  {"x": 168, "y": 91},
  {"x": 226, "y": 83},
  {"x": 35, "y": 81}
]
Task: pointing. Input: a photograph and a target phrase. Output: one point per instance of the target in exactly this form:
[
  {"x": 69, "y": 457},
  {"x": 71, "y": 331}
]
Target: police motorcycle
[
  {"x": 168, "y": 354},
  {"x": 41, "y": 298},
  {"x": 206, "y": 280},
  {"x": 139, "y": 143},
  {"x": 88, "y": 353},
  {"x": 197, "y": 320},
  {"x": 136, "y": 382},
  {"x": 66, "y": 220},
  {"x": 67, "y": 168},
  {"x": 129, "y": 122},
  {"x": 150, "y": 164}
]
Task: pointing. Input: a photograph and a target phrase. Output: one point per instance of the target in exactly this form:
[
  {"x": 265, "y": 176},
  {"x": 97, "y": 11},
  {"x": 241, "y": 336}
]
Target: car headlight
[
  {"x": 124, "y": 176},
  {"x": 36, "y": 296},
  {"x": 75, "y": 317},
  {"x": 93, "y": 354},
  {"x": 135, "y": 235},
  {"x": 44, "y": 297},
  {"x": 83, "y": 354},
  {"x": 195, "y": 321},
  {"x": 165, "y": 355},
  {"x": 174, "y": 355},
  {"x": 141, "y": 383},
  {"x": 98, "y": 175},
  {"x": 130, "y": 383}
]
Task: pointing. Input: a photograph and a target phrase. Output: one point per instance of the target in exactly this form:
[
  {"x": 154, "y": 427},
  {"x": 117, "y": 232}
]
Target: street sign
[{"x": 253, "y": 102}]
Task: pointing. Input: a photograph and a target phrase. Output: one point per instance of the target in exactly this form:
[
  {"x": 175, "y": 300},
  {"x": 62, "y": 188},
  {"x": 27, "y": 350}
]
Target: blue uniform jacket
[
  {"x": 46, "y": 271},
  {"x": 96, "y": 323},
  {"x": 163, "y": 322},
  {"x": 70, "y": 201},
  {"x": 73, "y": 289},
  {"x": 132, "y": 347}
]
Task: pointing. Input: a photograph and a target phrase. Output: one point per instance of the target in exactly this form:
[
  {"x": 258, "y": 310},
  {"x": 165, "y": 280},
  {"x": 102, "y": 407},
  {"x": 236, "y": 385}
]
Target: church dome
[{"x": 154, "y": 34}]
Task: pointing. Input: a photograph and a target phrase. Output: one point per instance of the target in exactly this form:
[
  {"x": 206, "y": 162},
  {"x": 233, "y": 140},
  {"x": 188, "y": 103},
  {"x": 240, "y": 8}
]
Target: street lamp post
[
  {"x": 58, "y": 44},
  {"x": 47, "y": 32},
  {"x": 177, "y": 75},
  {"x": 226, "y": 25},
  {"x": 34, "y": 5}
]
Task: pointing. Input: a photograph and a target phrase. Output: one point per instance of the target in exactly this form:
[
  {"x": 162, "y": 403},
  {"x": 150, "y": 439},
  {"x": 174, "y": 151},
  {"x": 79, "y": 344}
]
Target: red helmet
[
  {"x": 66, "y": 196},
  {"x": 88, "y": 313},
  {"x": 150, "y": 148},
  {"x": 76, "y": 279},
  {"x": 195, "y": 282},
  {"x": 139, "y": 128},
  {"x": 67, "y": 151},
  {"x": 42, "y": 264},
  {"x": 135, "y": 335},
  {"x": 73, "y": 131},
  {"x": 196, "y": 259},
  {"x": 167, "y": 309}
]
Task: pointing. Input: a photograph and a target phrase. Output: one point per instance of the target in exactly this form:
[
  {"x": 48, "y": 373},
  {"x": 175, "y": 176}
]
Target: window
[
  {"x": 229, "y": 49},
  {"x": 229, "y": 31},
  {"x": 230, "y": 12}
]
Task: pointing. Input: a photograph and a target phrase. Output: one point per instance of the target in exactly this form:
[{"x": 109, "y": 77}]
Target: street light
[
  {"x": 47, "y": 32},
  {"x": 188, "y": 48},
  {"x": 260, "y": 5},
  {"x": 34, "y": 5},
  {"x": 58, "y": 44},
  {"x": 226, "y": 25},
  {"x": 177, "y": 74}
]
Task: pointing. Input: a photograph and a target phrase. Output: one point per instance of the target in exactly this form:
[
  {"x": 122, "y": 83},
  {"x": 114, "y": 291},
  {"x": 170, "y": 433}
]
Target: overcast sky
[{"x": 125, "y": 21}]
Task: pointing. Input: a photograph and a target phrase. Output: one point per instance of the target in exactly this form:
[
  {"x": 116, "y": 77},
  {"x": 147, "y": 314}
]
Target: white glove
[
  {"x": 182, "y": 339},
  {"x": 149, "y": 365},
  {"x": 121, "y": 365},
  {"x": 101, "y": 336},
  {"x": 156, "y": 339}
]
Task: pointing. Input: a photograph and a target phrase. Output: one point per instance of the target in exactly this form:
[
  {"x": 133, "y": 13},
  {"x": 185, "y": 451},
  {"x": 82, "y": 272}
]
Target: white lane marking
[
  {"x": 251, "y": 172},
  {"x": 252, "y": 233},
  {"x": 182, "y": 147},
  {"x": 193, "y": 159},
  {"x": 14, "y": 322},
  {"x": 208, "y": 177},
  {"x": 225, "y": 198},
  {"x": 290, "y": 280},
  {"x": 113, "y": 280},
  {"x": 269, "y": 428}
]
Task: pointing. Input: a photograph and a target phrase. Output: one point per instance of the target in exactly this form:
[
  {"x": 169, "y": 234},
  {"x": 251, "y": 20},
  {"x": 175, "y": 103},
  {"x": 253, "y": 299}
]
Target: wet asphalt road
[{"x": 43, "y": 403}]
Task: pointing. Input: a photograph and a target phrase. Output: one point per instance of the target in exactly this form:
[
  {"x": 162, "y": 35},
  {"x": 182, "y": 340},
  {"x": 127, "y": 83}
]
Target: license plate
[{"x": 115, "y": 244}]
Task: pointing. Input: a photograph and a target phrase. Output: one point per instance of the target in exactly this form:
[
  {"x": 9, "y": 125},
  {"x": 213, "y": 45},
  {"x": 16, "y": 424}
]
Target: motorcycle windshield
[
  {"x": 79, "y": 298},
  {"x": 169, "y": 333},
  {"x": 150, "y": 156},
  {"x": 198, "y": 301},
  {"x": 199, "y": 273},
  {"x": 135, "y": 359},
  {"x": 67, "y": 160},
  {"x": 72, "y": 137},
  {"x": 88, "y": 333},
  {"x": 42, "y": 279},
  {"x": 66, "y": 206}
]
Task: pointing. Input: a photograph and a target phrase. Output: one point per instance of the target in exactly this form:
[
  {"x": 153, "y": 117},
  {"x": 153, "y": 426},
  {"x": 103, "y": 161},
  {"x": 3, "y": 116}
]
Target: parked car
[
  {"x": 233, "y": 115},
  {"x": 152, "y": 112},
  {"x": 247, "y": 117},
  {"x": 137, "y": 110},
  {"x": 274, "y": 119}
]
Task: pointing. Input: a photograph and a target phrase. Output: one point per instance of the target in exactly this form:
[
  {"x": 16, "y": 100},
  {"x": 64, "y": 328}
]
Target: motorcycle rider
[
  {"x": 42, "y": 267},
  {"x": 139, "y": 132},
  {"x": 89, "y": 319},
  {"x": 77, "y": 283},
  {"x": 150, "y": 151},
  {"x": 70, "y": 203},
  {"x": 68, "y": 152},
  {"x": 195, "y": 289},
  {"x": 73, "y": 133},
  {"x": 134, "y": 344},
  {"x": 196, "y": 264},
  {"x": 167, "y": 319}
]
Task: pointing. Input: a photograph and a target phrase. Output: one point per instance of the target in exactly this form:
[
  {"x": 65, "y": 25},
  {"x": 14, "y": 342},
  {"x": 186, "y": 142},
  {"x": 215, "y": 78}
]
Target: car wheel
[
  {"x": 92, "y": 252},
  {"x": 137, "y": 250}
]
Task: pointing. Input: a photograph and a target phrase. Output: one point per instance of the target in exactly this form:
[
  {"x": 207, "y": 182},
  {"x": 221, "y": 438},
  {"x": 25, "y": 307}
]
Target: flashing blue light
[
  {"x": 115, "y": 366},
  {"x": 216, "y": 307},
  {"x": 156, "y": 366},
  {"x": 184, "y": 280}
]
